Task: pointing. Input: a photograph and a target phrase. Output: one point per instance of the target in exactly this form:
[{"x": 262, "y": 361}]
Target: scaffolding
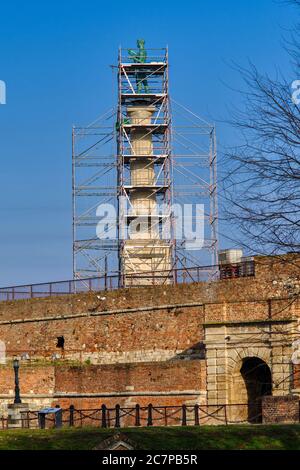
[
  {"x": 144, "y": 168},
  {"x": 94, "y": 184},
  {"x": 194, "y": 148},
  {"x": 153, "y": 171}
]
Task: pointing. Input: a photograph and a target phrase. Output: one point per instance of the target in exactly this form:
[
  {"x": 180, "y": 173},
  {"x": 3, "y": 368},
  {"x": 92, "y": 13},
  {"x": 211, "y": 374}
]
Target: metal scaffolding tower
[
  {"x": 154, "y": 171},
  {"x": 144, "y": 168}
]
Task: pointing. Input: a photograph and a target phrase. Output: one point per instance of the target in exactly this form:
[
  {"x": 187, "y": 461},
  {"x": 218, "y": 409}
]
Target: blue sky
[{"x": 55, "y": 60}]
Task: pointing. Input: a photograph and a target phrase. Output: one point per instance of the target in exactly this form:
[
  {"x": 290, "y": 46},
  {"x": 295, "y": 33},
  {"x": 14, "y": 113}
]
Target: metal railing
[
  {"x": 113, "y": 281},
  {"x": 153, "y": 55},
  {"x": 143, "y": 416}
]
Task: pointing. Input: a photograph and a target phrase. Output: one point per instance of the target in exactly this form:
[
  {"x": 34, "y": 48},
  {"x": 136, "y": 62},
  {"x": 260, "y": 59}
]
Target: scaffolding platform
[
  {"x": 155, "y": 188},
  {"x": 158, "y": 128},
  {"x": 145, "y": 98},
  {"x": 149, "y": 68},
  {"x": 158, "y": 159}
]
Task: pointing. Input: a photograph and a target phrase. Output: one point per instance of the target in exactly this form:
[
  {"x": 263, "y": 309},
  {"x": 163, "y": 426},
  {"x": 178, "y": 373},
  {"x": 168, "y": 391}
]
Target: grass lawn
[{"x": 171, "y": 438}]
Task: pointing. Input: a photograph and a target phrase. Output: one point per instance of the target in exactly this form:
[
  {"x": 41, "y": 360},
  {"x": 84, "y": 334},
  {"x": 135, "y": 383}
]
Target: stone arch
[
  {"x": 236, "y": 356},
  {"x": 257, "y": 377},
  {"x": 245, "y": 405}
]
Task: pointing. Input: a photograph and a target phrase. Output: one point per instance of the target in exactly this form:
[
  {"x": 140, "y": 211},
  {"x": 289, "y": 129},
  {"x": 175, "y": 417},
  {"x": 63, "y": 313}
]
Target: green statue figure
[{"x": 140, "y": 57}]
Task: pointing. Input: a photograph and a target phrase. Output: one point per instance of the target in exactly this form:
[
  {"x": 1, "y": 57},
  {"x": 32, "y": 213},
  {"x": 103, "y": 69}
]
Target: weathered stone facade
[{"x": 168, "y": 345}]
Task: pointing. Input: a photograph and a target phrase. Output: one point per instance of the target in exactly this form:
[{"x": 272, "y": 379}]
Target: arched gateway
[
  {"x": 241, "y": 371},
  {"x": 249, "y": 381},
  {"x": 257, "y": 379}
]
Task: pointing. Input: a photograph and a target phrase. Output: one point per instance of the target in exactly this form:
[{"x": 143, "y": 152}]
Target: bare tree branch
[{"x": 262, "y": 184}]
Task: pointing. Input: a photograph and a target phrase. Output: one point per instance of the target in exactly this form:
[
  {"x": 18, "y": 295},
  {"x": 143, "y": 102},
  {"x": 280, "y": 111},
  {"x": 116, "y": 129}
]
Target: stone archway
[
  {"x": 249, "y": 381},
  {"x": 228, "y": 347},
  {"x": 257, "y": 378}
]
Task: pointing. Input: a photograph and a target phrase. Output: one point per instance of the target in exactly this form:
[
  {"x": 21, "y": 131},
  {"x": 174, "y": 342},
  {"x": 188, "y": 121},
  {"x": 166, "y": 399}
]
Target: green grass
[{"x": 171, "y": 438}]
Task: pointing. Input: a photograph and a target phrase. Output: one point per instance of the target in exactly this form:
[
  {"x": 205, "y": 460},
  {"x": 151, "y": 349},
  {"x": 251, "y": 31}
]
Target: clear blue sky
[{"x": 55, "y": 59}]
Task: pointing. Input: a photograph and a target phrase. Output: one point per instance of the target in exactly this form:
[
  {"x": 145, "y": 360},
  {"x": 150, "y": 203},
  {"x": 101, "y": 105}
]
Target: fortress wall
[
  {"x": 89, "y": 386},
  {"x": 142, "y": 341}
]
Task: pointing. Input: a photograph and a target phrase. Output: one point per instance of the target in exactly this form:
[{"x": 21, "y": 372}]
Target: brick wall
[
  {"x": 89, "y": 386},
  {"x": 110, "y": 329},
  {"x": 37, "y": 385},
  {"x": 127, "y": 384},
  {"x": 131, "y": 337},
  {"x": 296, "y": 376},
  {"x": 103, "y": 330},
  {"x": 269, "y": 282},
  {"x": 33, "y": 379},
  {"x": 280, "y": 409},
  {"x": 151, "y": 377}
]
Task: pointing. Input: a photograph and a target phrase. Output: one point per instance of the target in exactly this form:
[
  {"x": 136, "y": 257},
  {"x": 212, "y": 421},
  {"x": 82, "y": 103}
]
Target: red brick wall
[
  {"x": 39, "y": 379},
  {"x": 165, "y": 376},
  {"x": 158, "y": 335},
  {"x": 265, "y": 285},
  {"x": 280, "y": 410},
  {"x": 141, "y": 383},
  {"x": 137, "y": 382},
  {"x": 296, "y": 376},
  {"x": 158, "y": 330}
]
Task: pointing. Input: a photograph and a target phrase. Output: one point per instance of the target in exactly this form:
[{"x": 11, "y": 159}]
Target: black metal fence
[
  {"x": 113, "y": 281},
  {"x": 142, "y": 416}
]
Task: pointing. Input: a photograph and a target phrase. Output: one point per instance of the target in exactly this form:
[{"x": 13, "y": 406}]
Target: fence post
[
  {"x": 58, "y": 417},
  {"x": 71, "y": 417},
  {"x": 137, "y": 415},
  {"x": 183, "y": 415},
  {"x": 150, "y": 420},
  {"x": 108, "y": 417},
  {"x": 24, "y": 419},
  {"x": 197, "y": 422},
  {"x": 103, "y": 416},
  {"x": 225, "y": 408},
  {"x": 42, "y": 420},
  {"x": 28, "y": 420},
  {"x": 117, "y": 423}
]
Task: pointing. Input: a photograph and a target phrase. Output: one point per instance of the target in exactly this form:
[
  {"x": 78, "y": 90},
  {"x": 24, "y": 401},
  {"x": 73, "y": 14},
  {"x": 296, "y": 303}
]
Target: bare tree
[{"x": 262, "y": 183}]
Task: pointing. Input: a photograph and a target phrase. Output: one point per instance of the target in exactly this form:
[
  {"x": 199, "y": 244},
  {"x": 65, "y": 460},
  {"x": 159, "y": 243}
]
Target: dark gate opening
[{"x": 258, "y": 380}]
